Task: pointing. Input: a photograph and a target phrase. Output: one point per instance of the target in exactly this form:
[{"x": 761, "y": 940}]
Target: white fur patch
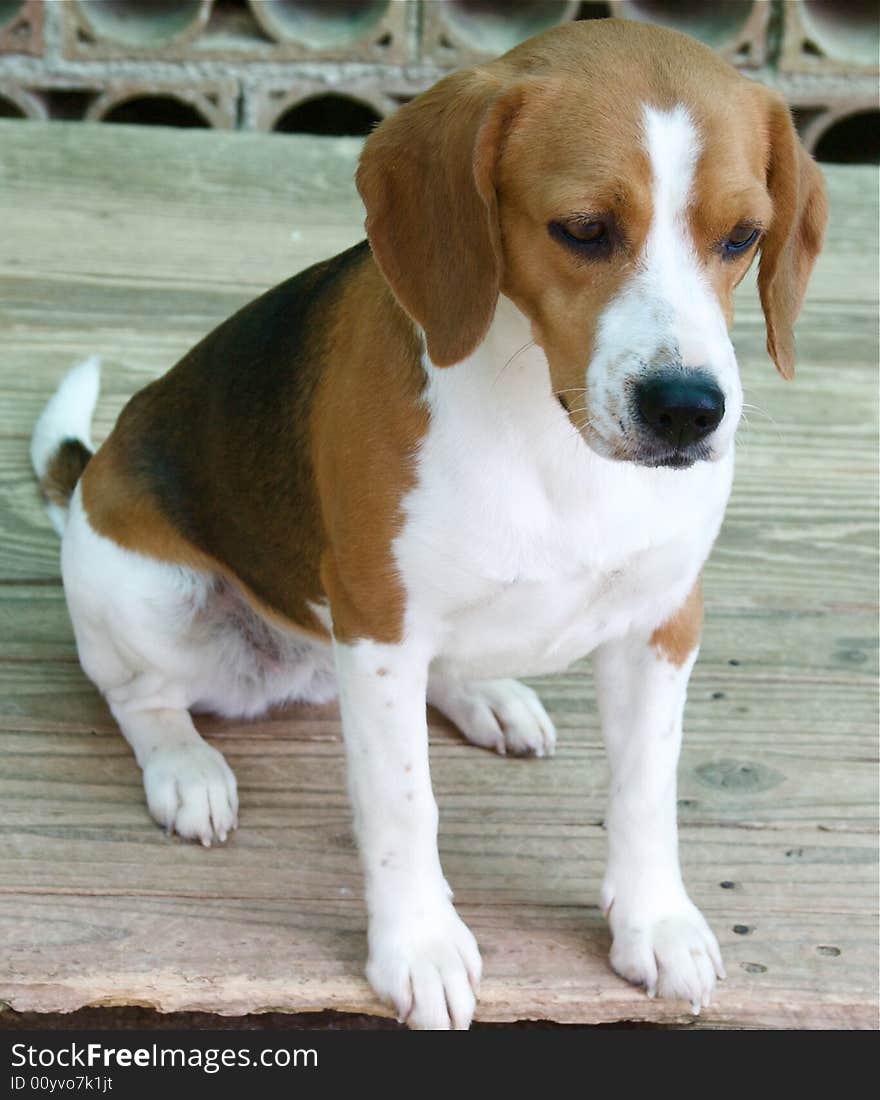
[
  {"x": 522, "y": 549},
  {"x": 673, "y": 148},
  {"x": 423, "y": 958},
  {"x": 668, "y": 312},
  {"x": 503, "y": 715},
  {"x": 661, "y": 940},
  {"x": 67, "y": 415},
  {"x": 152, "y": 634},
  {"x": 159, "y": 640}
]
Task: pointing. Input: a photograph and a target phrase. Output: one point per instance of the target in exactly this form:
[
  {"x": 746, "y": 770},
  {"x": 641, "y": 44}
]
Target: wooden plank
[
  {"x": 778, "y": 787},
  {"x": 178, "y": 954},
  {"x": 295, "y": 839},
  {"x": 78, "y": 781}
]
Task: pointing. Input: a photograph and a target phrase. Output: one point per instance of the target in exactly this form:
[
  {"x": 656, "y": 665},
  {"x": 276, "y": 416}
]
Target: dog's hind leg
[
  {"x": 190, "y": 788},
  {"x": 136, "y": 622}
]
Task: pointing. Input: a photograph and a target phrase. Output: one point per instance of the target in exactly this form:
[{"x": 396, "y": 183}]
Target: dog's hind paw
[
  {"x": 191, "y": 790},
  {"x": 503, "y": 715}
]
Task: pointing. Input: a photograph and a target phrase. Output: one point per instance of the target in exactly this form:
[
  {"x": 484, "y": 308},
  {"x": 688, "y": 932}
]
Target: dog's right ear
[{"x": 427, "y": 178}]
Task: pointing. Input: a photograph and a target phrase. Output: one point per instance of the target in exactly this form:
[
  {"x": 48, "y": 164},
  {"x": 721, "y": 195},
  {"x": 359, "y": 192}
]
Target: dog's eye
[
  {"x": 583, "y": 234},
  {"x": 739, "y": 239}
]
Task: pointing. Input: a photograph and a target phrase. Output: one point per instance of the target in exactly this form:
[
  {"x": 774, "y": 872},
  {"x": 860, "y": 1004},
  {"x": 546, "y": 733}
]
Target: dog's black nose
[{"x": 680, "y": 408}]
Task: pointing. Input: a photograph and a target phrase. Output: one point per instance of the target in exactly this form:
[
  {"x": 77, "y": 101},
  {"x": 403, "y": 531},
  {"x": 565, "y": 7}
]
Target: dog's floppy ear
[
  {"x": 426, "y": 176},
  {"x": 794, "y": 240}
]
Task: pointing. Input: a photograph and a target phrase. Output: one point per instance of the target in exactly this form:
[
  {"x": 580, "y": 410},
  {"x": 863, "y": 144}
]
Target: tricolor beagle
[{"x": 492, "y": 439}]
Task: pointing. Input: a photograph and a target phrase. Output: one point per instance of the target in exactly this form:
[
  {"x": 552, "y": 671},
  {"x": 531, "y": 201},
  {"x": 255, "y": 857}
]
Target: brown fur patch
[
  {"x": 367, "y": 425},
  {"x": 277, "y": 450},
  {"x": 679, "y": 636},
  {"x": 64, "y": 471},
  {"x": 122, "y": 511},
  {"x": 541, "y": 180},
  {"x": 429, "y": 227},
  {"x": 753, "y": 168},
  {"x": 795, "y": 239}
]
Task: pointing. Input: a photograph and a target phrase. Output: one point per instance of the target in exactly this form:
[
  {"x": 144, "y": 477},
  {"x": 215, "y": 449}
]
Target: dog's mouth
[
  {"x": 645, "y": 451},
  {"x": 672, "y": 458}
]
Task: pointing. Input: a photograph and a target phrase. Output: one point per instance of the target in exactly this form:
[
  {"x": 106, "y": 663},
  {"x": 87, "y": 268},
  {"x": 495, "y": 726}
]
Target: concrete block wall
[{"x": 337, "y": 66}]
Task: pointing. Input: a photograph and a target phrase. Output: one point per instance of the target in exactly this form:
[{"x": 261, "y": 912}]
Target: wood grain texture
[{"x": 132, "y": 243}]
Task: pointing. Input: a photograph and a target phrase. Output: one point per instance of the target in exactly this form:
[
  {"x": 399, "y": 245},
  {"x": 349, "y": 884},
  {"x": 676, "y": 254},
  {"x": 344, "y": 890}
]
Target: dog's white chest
[
  {"x": 522, "y": 550},
  {"x": 530, "y": 627},
  {"x": 510, "y": 600}
]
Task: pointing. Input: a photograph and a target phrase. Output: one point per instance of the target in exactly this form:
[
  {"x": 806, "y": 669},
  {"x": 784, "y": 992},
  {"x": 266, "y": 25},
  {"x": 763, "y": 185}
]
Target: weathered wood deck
[{"x": 133, "y": 243}]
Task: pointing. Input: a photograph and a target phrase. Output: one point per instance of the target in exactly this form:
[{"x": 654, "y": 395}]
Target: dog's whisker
[
  {"x": 745, "y": 422},
  {"x": 757, "y": 408},
  {"x": 516, "y": 355}
]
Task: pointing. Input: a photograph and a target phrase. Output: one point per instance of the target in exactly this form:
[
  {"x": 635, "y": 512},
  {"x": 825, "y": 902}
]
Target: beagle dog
[{"x": 496, "y": 436}]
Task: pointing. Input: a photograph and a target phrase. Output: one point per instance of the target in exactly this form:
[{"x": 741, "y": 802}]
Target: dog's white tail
[{"x": 61, "y": 444}]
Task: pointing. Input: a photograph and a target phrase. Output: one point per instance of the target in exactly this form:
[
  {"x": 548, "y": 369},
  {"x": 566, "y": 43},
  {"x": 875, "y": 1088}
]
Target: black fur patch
[
  {"x": 217, "y": 441},
  {"x": 64, "y": 471}
]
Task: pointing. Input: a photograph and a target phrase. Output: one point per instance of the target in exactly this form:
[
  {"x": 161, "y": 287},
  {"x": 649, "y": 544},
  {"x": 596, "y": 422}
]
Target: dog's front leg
[
  {"x": 660, "y": 938},
  {"x": 422, "y": 957}
]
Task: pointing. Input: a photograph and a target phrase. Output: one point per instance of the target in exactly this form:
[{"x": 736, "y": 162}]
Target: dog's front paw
[
  {"x": 191, "y": 790},
  {"x": 427, "y": 965},
  {"x": 503, "y": 715},
  {"x": 667, "y": 947}
]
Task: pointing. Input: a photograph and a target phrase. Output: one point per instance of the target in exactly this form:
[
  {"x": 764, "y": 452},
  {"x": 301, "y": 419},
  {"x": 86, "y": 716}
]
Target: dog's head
[{"x": 615, "y": 180}]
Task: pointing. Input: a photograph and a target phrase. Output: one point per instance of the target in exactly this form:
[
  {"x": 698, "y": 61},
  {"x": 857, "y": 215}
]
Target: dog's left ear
[
  {"x": 794, "y": 240},
  {"x": 427, "y": 178}
]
